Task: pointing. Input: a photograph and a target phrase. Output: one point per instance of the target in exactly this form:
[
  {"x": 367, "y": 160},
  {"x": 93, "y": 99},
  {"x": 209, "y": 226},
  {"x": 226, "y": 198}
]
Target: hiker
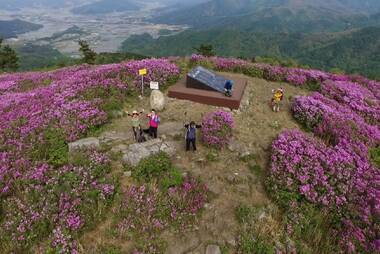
[
  {"x": 154, "y": 121},
  {"x": 278, "y": 96},
  {"x": 191, "y": 130},
  {"x": 228, "y": 88},
  {"x": 136, "y": 126}
]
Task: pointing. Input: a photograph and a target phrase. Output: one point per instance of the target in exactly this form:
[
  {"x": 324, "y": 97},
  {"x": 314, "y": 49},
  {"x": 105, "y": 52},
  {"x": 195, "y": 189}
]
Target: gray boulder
[
  {"x": 119, "y": 148},
  {"x": 87, "y": 143},
  {"x": 112, "y": 137},
  {"x": 136, "y": 152},
  {"x": 157, "y": 100},
  {"x": 213, "y": 249}
]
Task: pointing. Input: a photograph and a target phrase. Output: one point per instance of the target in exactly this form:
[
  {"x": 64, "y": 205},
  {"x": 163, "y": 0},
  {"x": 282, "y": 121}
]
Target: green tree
[
  {"x": 8, "y": 58},
  {"x": 205, "y": 50},
  {"x": 89, "y": 56}
]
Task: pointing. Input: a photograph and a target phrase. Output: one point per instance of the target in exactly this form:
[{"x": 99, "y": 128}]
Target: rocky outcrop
[
  {"x": 136, "y": 152},
  {"x": 86, "y": 143},
  {"x": 213, "y": 249},
  {"x": 113, "y": 137}
]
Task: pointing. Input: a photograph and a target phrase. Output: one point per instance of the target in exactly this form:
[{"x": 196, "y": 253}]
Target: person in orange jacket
[{"x": 278, "y": 96}]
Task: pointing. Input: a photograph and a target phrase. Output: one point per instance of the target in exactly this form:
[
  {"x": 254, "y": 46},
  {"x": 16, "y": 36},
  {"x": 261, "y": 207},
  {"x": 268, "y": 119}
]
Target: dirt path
[{"x": 229, "y": 179}]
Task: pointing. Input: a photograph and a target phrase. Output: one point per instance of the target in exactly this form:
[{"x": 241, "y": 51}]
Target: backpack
[
  {"x": 141, "y": 139},
  {"x": 157, "y": 119}
]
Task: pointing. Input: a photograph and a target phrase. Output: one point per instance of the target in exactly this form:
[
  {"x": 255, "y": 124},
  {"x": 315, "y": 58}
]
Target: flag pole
[{"x": 142, "y": 85}]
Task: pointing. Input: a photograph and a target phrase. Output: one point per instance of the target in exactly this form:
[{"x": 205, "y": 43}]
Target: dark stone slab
[
  {"x": 201, "y": 78},
  {"x": 214, "y": 98}
]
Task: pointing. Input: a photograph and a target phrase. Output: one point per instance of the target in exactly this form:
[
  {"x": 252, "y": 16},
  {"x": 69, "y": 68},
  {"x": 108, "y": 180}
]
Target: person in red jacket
[{"x": 154, "y": 121}]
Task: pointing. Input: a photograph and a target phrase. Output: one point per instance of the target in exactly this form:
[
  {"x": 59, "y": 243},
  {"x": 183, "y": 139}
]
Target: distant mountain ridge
[
  {"x": 12, "y": 28},
  {"x": 282, "y": 15},
  {"x": 107, "y": 6},
  {"x": 324, "y": 34}
]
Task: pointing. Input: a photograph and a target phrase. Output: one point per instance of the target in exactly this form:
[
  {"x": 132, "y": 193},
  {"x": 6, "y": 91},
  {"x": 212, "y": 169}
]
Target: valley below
[{"x": 62, "y": 29}]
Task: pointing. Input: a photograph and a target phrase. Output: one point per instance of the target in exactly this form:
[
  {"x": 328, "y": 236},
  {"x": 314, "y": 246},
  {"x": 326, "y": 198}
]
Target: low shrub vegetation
[
  {"x": 253, "y": 237},
  {"x": 152, "y": 167},
  {"x": 217, "y": 129},
  {"x": 335, "y": 169},
  {"x": 57, "y": 203},
  {"x": 45, "y": 196},
  {"x": 165, "y": 199}
]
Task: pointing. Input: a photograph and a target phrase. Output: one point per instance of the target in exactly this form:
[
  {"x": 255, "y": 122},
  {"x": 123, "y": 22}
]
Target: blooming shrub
[
  {"x": 217, "y": 129},
  {"x": 328, "y": 177},
  {"x": 146, "y": 211},
  {"x": 72, "y": 103},
  {"x": 59, "y": 202},
  {"x": 274, "y": 73},
  {"x": 358, "y": 98},
  {"x": 41, "y": 195},
  {"x": 167, "y": 200},
  {"x": 334, "y": 169}
]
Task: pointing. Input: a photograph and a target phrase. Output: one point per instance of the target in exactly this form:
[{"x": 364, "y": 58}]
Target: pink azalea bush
[
  {"x": 296, "y": 76},
  {"x": 333, "y": 169},
  {"x": 72, "y": 102},
  {"x": 146, "y": 211},
  {"x": 61, "y": 201},
  {"x": 353, "y": 95},
  {"x": 217, "y": 129},
  {"x": 39, "y": 113}
]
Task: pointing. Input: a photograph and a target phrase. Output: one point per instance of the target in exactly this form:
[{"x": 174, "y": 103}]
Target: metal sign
[
  {"x": 143, "y": 72},
  {"x": 154, "y": 85}
]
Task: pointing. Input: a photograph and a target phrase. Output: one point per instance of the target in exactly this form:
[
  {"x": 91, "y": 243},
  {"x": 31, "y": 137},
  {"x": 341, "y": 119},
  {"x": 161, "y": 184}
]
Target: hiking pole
[
  {"x": 185, "y": 114},
  {"x": 184, "y": 123},
  {"x": 185, "y": 118}
]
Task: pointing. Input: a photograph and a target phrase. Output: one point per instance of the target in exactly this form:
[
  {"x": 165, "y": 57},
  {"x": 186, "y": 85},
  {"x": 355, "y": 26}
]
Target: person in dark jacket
[
  {"x": 191, "y": 133},
  {"x": 228, "y": 88}
]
